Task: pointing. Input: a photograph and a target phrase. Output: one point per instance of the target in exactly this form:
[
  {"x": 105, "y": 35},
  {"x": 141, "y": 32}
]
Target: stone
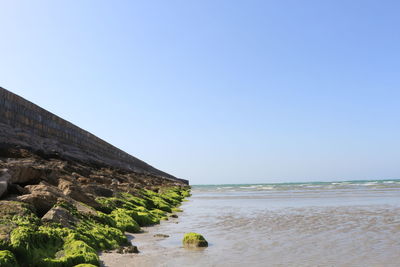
[
  {"x": 4, "y": 180},
  {"x": 131, "y": 249},
  {"x": 12, "y": 213},
  {"x": 127, "y": 250},
  {"x": 84, "y": 209},
  {"x": 194, "y": 240},
  {"x": 43, "y": 197},
  {"x": 60, "y": 215},
  {"x": 3, "y": 188},
  {"x": 161, "y": 236},
  {"x": 174, "y": 216},
  {"x": 24, "y": 172},
  {"x": 75, "y": 192}
]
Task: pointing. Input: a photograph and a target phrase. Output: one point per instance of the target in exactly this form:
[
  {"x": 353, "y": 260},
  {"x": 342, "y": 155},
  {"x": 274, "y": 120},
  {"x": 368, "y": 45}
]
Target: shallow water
[{"x": 301, "y": 224}]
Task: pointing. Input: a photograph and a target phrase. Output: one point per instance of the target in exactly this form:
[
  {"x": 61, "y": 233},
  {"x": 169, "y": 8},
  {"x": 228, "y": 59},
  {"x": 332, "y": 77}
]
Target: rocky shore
[{"x": 61, "y": 212}]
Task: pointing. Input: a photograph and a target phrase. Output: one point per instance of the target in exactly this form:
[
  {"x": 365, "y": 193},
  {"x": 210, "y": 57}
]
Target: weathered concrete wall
[{"x": 17, "y": 112}]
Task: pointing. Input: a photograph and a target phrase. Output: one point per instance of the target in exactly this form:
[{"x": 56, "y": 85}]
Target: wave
[{"x": 308, "y": 186}]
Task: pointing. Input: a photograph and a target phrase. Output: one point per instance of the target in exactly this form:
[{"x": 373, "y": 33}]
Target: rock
[
  {"x": 174, "y": 216},
  {"x": 84, "y": 209},
  {"x": 127, "y": 250},
  {"x": 7, "y": 259},
  {"x": 161, "y": 236},
  {"x": 12, "y": 213},
  {"x": 98, "y": 190},
  {"x": 17, "y": 189},
  {"x": 194, "y": 240},
  {"x": 43, "y": 197},
  {"x": 4, "y": 180},
  {"x": 60, "y": 215},
  {"x": 131, "y": 249},
  {"x": 75, "y": 192},
  {"x": 3, "y": 188},
  {"x": 24, "y": 172}
]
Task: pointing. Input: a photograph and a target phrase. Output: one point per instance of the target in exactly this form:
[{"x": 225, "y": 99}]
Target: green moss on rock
[
  {"x": 7, "y": 259},
  {"x": 46, "y": 243},
  {"x": 74, "y": 252},
  {"x": 100, "y": 236},
  {"x": 159, "y": 203},
  {"x": 134, "y": 200},
  {"x": 31, "y": 244},
  {"x": 177, "y": 210},
  {"x": 12, "y": 215},
  {"x": 191, "y": 240},
  {"x": 124, "y": 220}
]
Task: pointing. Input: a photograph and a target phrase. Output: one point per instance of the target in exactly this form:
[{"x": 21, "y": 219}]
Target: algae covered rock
[
  {"x": 59, "y": 214},
  {"x": 193, "y": 240},
  {"x": 127, "y": 250},
  {"x": 12, "y": 215},
  {"x": 124, "y": 220},
  {"x": 7, "y": 259},
  {"x": 71, "y": 233}
]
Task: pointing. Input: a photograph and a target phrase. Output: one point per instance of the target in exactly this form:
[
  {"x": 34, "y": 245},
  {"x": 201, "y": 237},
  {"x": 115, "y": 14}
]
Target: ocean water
[{"x": 353, "y": 223}]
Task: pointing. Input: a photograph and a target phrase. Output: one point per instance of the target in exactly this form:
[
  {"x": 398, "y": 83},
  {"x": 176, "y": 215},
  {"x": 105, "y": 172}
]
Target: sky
[{"x": 219, "y": 91}]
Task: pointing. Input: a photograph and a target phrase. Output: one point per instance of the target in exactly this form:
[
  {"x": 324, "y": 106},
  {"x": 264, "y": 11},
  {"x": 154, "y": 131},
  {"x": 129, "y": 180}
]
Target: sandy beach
[{"x": 331, "y": 224}]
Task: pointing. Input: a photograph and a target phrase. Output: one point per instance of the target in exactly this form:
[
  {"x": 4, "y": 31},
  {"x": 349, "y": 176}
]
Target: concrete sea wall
[{"x": 66, "y": 138}]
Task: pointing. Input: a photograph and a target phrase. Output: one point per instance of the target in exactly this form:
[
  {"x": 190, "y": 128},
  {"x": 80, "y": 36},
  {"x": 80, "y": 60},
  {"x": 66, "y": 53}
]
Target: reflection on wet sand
[{"x": 331, "y": 227}]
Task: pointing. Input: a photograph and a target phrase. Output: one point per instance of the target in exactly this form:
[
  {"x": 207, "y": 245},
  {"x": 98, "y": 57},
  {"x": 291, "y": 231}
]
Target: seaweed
[
  {"x": 7, "y": 259},
  {"x": 25, "y": 240},
  {"x": 194, "y": 240}
]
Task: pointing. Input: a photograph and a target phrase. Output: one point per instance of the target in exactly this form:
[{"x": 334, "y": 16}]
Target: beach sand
[{"x": 321, "y": 226}]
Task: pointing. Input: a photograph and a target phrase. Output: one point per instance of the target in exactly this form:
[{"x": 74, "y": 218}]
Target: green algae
[
  {"x": 85, "y": 265},
  {"x": 159, "y": 203},
  {"x": 176, "y": 210},
  {"x": 133, "y": 200},
  {"x": 50, "y": 245},
  {"x": 161, "y": 215},
  {"x": 194, "y": 240},
  {"x": 12, "y": 215},
  {"x": 99, "y": 236},
  {"x": 7, "y": 259},
  {"x": 146, "y": 218},
  {"x": 31, "y": 244},
  {"x": 73, "y": 252},
  {"x": 124, "y": 220}
]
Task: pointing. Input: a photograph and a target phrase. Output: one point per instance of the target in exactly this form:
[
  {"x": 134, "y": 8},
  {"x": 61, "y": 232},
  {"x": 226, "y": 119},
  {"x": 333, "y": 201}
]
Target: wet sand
[{"x": 321, "y": 227}]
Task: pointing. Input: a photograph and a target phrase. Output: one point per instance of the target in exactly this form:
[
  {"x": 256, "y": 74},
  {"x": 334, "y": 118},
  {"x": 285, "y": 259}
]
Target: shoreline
[
  {"x": 147, "y": 244},
  {"x": 73, "y": 232},
  {"x": 67, "y": 212}
]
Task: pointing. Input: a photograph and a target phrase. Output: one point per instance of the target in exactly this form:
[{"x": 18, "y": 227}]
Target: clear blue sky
[{"x": 219, "y": 91}]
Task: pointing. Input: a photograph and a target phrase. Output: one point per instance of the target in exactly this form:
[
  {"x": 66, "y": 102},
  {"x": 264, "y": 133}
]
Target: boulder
[
  {"x": 84, "y": 209},
  {"x": 75, "y": 192},
  {"x": 3, "y": 188},
  {"x": 4, "y": 180},
  {"x": 194, "y": 240},
  {"x": 60, "y": 215},
  {"x": 25, "y": 173},
  {"x": 7, "y": 259},
  {"x": 43, "y": 197},
  {"x": 97, "y": 190},
  {"x": 13, "y": 213}
]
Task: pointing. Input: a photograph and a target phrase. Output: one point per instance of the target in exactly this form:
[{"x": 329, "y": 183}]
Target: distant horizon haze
[{"x": 219, "y": 92}]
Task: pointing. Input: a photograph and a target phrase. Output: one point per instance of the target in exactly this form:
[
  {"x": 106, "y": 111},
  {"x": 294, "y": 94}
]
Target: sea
[{"x": 342, "y": 223}]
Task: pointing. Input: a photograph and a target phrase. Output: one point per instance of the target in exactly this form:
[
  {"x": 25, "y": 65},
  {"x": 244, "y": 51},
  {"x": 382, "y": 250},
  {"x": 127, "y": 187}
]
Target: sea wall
[{"x": 66, "y": 138}]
